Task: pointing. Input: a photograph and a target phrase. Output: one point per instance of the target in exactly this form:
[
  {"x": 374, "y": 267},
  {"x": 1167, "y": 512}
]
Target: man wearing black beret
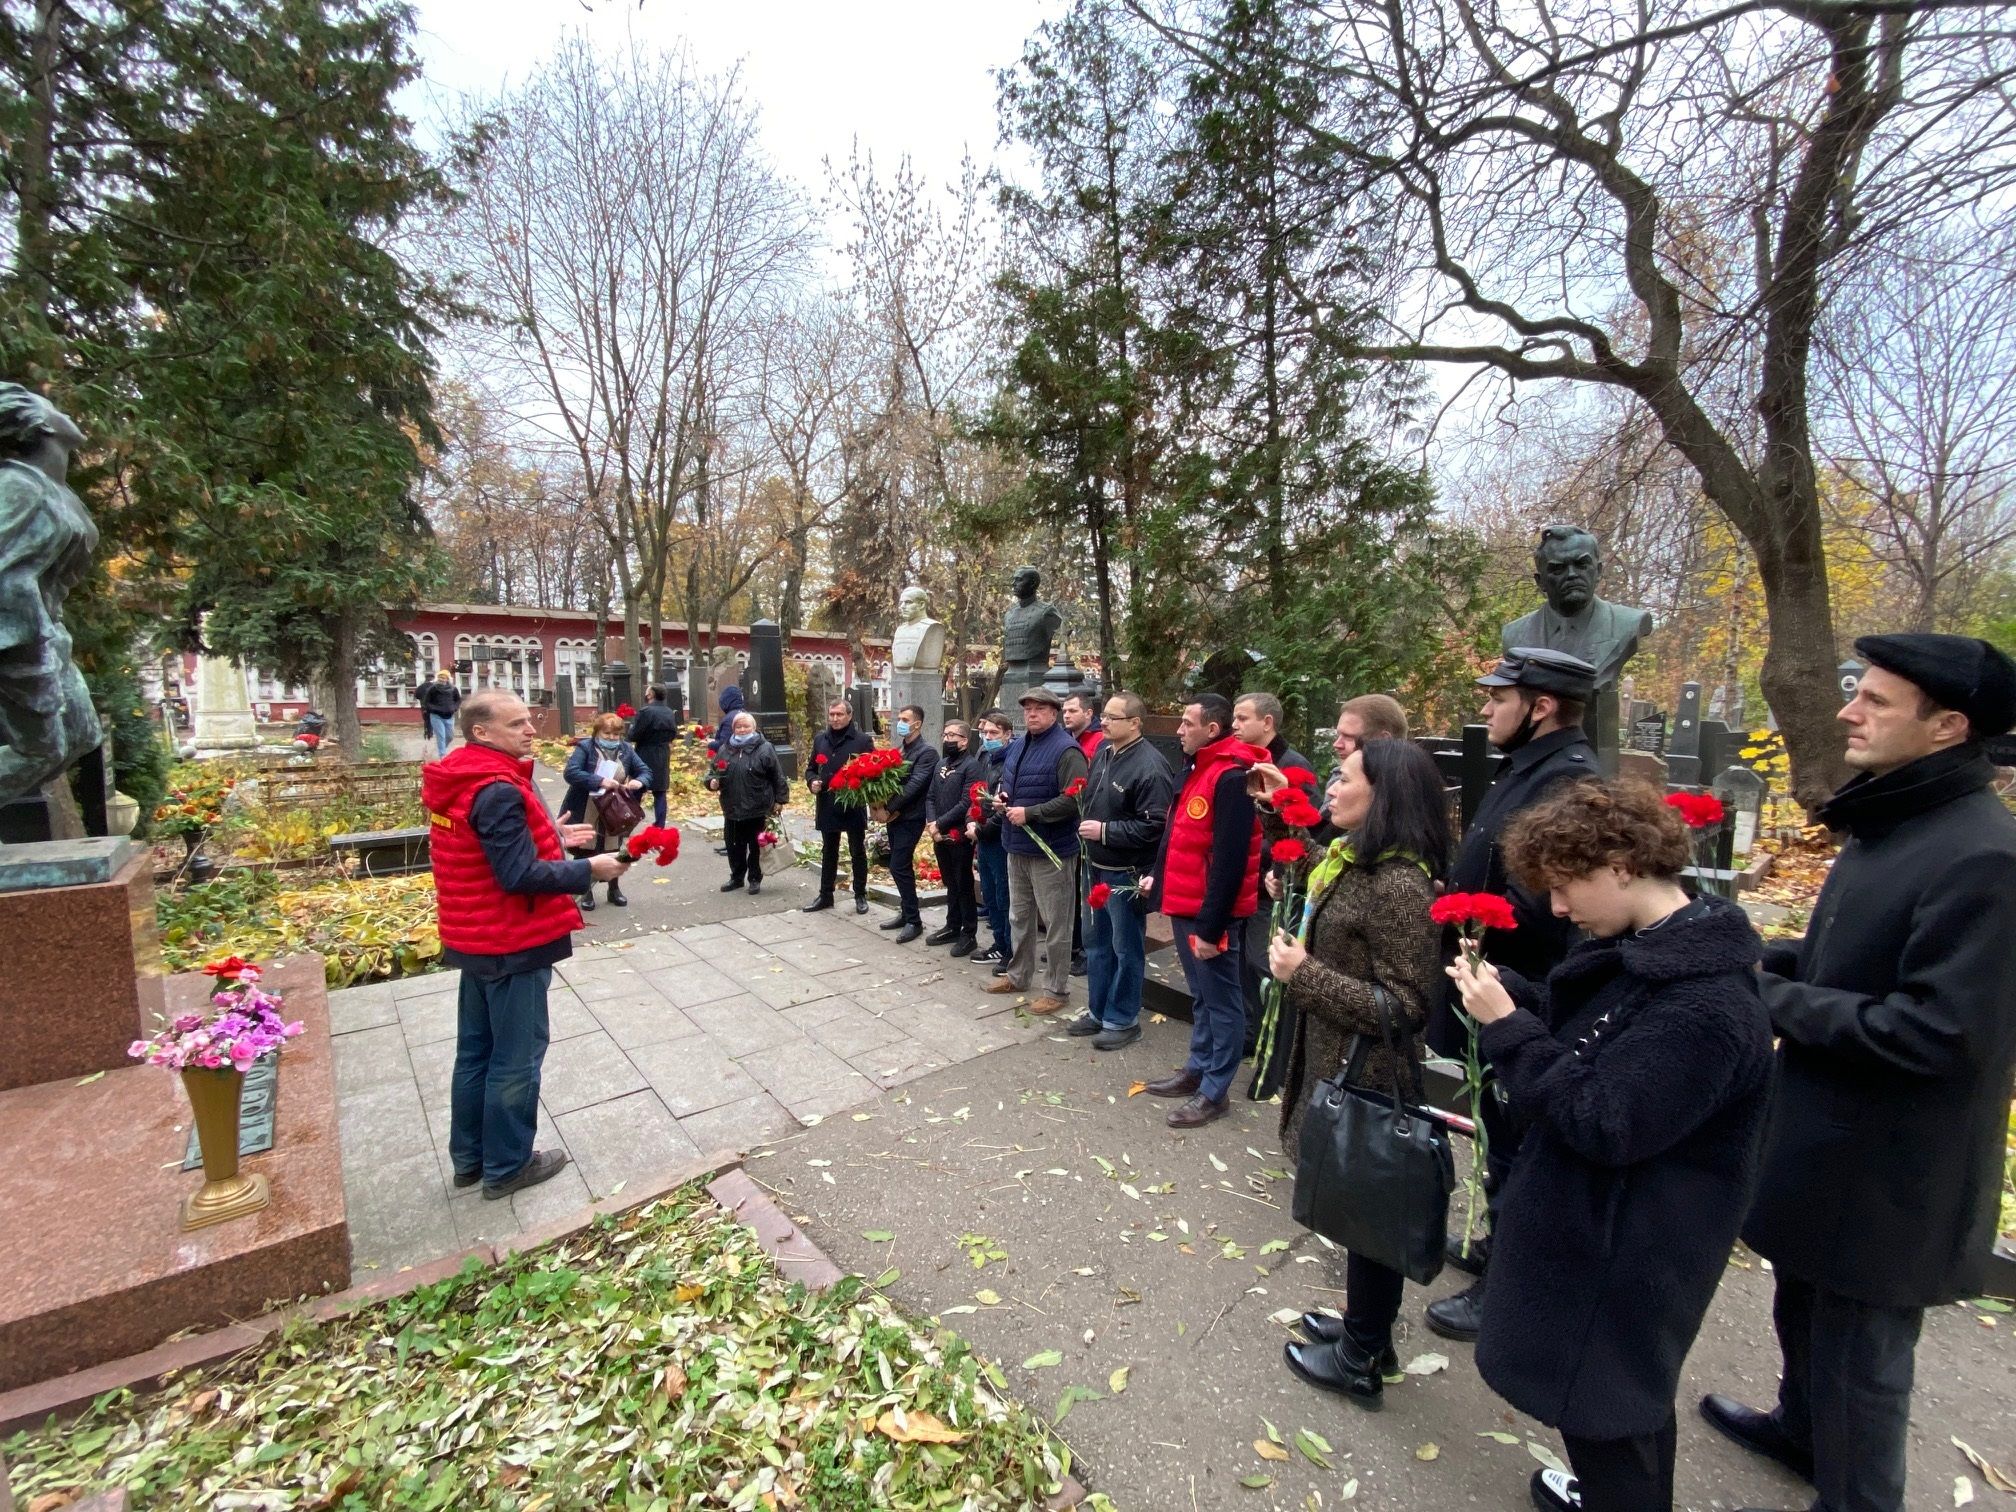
[{"x": 1896, "y": 1015}]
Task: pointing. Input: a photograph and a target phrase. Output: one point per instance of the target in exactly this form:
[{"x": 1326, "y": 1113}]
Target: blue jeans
[
  {"x": 993, "y": 862},
  {"x": 1217, "y": 1007},
  {"x": 1116, "y": 952},
  {"x": 442, "y": 728},
  {"x": 500, "y": 1041}
]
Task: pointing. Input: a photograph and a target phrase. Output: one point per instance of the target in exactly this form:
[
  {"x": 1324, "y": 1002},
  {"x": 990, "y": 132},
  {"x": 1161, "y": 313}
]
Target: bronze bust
[
  {"x": 1567, "y": 564},
  {"x": 46, "y": 543},
  {"x": 1028, "y": 628}
]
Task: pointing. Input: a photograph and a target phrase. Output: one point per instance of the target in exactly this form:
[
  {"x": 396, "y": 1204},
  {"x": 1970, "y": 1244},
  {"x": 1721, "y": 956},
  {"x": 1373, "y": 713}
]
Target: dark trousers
[
  {"x": 903, "y": 867},
  {"x": 1253, "y": 967},
  {"x": 829, "y": 859},
  {"x": 500, "y": 1042},
  {"x": 992, "y": 858},
  {"x": 745, "y": 856},
  {"x": 1624, "y": 1475},
  {"x": 955, "y": 863},
  {"x": 1371, "y": 1301},
  {"x": 1501, "y": 1132},
  {"x": 1217, "y": 1012},
  {"x": 1846, "y": 1392}
]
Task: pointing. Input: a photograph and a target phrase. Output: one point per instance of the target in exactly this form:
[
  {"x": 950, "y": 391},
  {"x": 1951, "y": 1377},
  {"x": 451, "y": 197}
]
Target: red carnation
[
  {"x": 821, "y": 759},
  {"x": 228, "y": 970},
  {"x": 720, "y": 763},
  {"x": 627, "y": 711},
  {"x": 1297, "y": 810},
  {"x": 1288, "y": 852},
  {"x": 1475, "y": 910},
  {"x": 1699, "y": 810},
  {"x": 1300, "y": 777},
  {"x": 665, "y": 842},
  {"x": 954, "y": 836},
  {"x": 1098, "y": 895},
  {"x": 973, "y": 814},
  {"x": 1074, "y": 787}
]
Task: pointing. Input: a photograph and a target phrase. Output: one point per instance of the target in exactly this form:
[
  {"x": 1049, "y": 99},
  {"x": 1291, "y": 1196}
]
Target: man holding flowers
[
  {"x": 832, "y": 748},
  {"x": 1041, "y": 778}
]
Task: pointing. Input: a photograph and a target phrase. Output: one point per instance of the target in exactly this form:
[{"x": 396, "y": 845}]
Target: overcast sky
[{"x": 902, "y": 76}]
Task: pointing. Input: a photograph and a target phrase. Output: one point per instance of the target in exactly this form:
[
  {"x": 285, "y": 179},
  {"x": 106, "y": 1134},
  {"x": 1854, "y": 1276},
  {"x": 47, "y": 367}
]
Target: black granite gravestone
[{"x": 767, "y": 700}]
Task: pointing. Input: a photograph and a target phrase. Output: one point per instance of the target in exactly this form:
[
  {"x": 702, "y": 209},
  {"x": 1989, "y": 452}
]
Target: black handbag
[{"x": 1375, "y": 1172}]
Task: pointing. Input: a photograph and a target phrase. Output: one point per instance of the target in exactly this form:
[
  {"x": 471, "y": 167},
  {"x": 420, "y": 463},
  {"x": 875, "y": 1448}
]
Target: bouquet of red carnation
[
  {"x": 626, "y": 711},
  {"x": 698, "y": 732},
  {"x": 1704, "y": 816},
  {"x": 653, "y": 840},
  {"x": 1289, "y": 914},
  {"x": 1472, "y": 914},
  {"x": 873, "y": 777}
]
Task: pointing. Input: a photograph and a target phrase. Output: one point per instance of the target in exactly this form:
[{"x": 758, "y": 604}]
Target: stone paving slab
[{"x": 722, "y": 1035}]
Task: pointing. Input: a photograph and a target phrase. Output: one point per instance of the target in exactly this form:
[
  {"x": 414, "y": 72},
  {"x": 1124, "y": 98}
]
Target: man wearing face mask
[
  {"x": 945, "y": 805},
  {"x": 990, "y": 856},
  {"x": 904, "y": 817},
  {"x": 751, "y": 783},
  {"x": 1533, "y": 705}
]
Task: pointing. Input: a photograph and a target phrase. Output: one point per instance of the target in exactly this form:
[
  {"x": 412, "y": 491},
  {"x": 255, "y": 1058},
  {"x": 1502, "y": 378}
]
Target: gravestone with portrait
[{"x": 916, "y": 661}]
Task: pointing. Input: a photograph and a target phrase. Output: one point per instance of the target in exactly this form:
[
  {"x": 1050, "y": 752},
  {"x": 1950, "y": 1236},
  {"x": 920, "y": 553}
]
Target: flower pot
[{"x": 213, "y": 1095}]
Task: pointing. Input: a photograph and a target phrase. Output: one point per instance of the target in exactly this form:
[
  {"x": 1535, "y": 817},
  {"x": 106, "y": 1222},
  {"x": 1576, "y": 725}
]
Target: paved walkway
[{"x": 664, "y": 1046}]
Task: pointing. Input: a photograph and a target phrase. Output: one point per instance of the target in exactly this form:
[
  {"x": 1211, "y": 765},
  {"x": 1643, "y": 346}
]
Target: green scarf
[{"x": 1324, "y": 874}]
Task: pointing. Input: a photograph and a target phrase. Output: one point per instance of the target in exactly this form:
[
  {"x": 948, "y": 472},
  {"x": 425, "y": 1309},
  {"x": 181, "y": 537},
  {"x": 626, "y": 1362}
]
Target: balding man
[{"x": 504, "y": 895}]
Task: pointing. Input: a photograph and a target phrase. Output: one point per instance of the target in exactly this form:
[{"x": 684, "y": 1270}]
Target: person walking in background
[
  {"x": 1125, "y": 809},
  {"x": 989, "y": 855},
  {"x": 904, "y": 817},
  {"x": 1256, "y": 719},
  {"x": 439, "y": 700},
  {"x": 1081, "y": 723},
  {"x": 502, "y": 887},
  {"x": 832, "y": 748},
  {"x": 1365, "y": 929},
  {"x": 751, "y": 783},
  {"x": 945, "y": 806},
  {"x": 1533, "y": 707},
  {"x": 1041, "y": 777},
  {"x": 1896, "y": 1024},
  {"x": 651, "y": 735},
  {"x": 732, "y": 704},
  {"x": 1207, "y": 881},
  {"x": 1642, "y": 1068},
  {"x": 603, "y": 762}
]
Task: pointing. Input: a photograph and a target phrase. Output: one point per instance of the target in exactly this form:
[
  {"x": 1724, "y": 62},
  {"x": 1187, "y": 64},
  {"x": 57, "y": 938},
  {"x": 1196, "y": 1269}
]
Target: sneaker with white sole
[{"x": 1556, "y": 1491}]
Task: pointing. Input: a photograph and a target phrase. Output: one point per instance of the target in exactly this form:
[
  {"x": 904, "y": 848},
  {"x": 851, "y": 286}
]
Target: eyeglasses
[{"x": 1120, "y": 719}]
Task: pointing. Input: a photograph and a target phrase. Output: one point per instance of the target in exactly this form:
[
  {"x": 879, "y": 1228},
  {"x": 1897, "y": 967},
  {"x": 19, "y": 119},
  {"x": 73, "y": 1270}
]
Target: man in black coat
[
  {"x": 651, "y": 735},
  {"x": 1533, "y": 705},
  {"x": 832, "y": 748},
  {"x": 1896, "y": 1017},
  {"x": 904, "y": 816},
  {"x": 952, "y": 835}
]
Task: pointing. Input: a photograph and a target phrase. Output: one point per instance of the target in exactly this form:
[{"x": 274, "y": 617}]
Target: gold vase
[{"x": 225, "y": 1194}]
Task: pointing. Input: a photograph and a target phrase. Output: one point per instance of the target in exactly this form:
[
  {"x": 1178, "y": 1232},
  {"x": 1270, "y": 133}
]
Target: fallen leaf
[
  {"x": 1428, "y": 1452},
  {"x": 863, "y": 1117},
  {"x": 673, "y": 1382},
  {"x": 1269, "y": 1451},
  {"x": 688, "y": 1291},
  {"x": 1135, "y": 1089},
  {"x": 1117, "y": 1382},
  {"x": 1287, "y": 1317},
  {"x": 1349, "y": 1490},
  {"x": 888, "y": 1276},
  {"x": 1043, "y": 1359},
  {"x": 94, "y": 1076},
  {"x": 1986, "y": 1304},
  {"x": 987, "y": 1297},
  {"x": 1256, "y": 1482},
  {"x": 1128, "y": 1188},
  {"x": 1997, "y": 1481},
  {"x": 1963, "y": 1490},
  {"x": 1546, "y": 1456},
  {"x": 1499, "y": 1437},
  {"x": 1273, "y": 1246},
  {"x": 1273, "y": 1433},
  {"x": 1426, "y": 1364},
  {"x": 1312, "y": 1447},
  {"x": 963, "y": 1307},
  {"x": 1073, "y": 1395},
  {"x": 617, "y": 1189},
  {"x": 1218, "y": 1164},
  {"x": 877, "y": 1236},
  {"x": 918, "y": 1428}
]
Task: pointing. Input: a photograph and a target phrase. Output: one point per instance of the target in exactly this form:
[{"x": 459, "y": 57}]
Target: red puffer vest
[
  {"x": 478, "y": 917},
  {"x": 1190, "y": 822}
]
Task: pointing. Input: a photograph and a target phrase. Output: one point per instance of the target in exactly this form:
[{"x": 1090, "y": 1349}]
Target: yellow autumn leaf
[
  {"x": 1135, "y": 1089},
  {"x": 918, "y": 1428},
  {"x": 1269, "y": 1451},
  {"x": 687, "y": 1292}
]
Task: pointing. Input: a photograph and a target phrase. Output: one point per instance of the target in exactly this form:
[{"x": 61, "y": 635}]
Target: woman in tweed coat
[{"x": 1366, "y": 921}]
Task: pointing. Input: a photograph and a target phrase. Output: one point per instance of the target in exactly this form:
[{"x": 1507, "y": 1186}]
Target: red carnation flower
[
  {"x": 821, "y": 759},
  {"x": 1300, "y": 777},
  {"x": 720, "y": 763},
  {"x": 665, "y": 842},
  {"x": 627, "y": 711},
  {"x": 1476, "y": 910},
  {"x": 1074, "y": 787},
  {"x": 1098, "y": 895},
  {"x": 1699, "y": 810},
  {"x": 973, "y": 814},
  {"x": 228, "y": 970},
  {"x": 1297, "y": 810},
  {"x": 1288, "y": 852},
  {"x": 954, "y": 835}
]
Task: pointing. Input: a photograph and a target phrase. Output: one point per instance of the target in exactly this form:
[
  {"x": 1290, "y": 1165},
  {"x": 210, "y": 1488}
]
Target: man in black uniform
[
  {"x": 904, "y": 817},
  {"x": 832, "y": 748},
  {"x": 1533, "y": 707},
  {"x": 952, "y": 835}
]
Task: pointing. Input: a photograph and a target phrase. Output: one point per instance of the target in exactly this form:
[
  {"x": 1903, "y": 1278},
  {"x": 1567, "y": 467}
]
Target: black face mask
[
  {"x": 1524, "y": 734},
  {"x": 953, "y": 749}
]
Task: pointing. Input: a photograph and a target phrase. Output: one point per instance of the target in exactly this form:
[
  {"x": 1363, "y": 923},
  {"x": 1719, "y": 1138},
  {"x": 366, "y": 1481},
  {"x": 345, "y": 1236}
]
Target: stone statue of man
[
  {"x": 46, "y": 543},
  {"x": 1567, "y": 564},
  {"x": 1028, "y": 629},
  {"x": 919, "y": 642}
]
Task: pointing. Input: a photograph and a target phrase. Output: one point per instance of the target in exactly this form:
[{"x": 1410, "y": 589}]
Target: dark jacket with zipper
[
  {"x": 1128, "y": 790},
  {"x": 906, "y": 809},
  {"x": 1643, "y": 1138},
  {"x": 652, "y": 733},
  {"x": 950, "y": 794},
  {"x": 1896, "y": 1018},
  {"x": 829, "y": 815},
  {"x": 752, "y": 784},
  {"x": 437, "y": 697},
  {"x": 990, "y": 823}
]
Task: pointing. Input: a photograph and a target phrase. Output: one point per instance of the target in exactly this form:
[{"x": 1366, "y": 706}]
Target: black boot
[
  {"x": 860, "y": 903},
  {"x": 1325, "y": 1329},
  {"x": 586, "y": 901},
  {"x": 1343, "y": 1367},
  {"x": 1460, "y": 1317},
  {"x": 616, "y": 897}
]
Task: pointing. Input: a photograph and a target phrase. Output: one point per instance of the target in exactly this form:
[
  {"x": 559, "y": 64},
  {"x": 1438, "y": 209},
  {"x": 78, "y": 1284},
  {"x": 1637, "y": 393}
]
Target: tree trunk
[
  {"x": 336, "y": 689},
  {"x": 1800, "y": 676},
  {"x": 34, "y": 249}
]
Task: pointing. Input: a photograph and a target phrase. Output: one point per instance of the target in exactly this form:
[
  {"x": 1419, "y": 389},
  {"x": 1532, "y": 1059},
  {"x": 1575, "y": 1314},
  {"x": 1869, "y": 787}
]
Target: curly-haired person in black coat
[{"x": 1643, "y": 1070}]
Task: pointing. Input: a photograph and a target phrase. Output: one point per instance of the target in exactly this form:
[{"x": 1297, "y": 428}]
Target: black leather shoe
[
  {"x": 896, "y": 923},
  {"x": 1083, "y": 1027},
  {"x": 860, "y": 905},
  {"x": 1759, "y": 1432},
  {"x": 1078, "y": 964},
  {"x": 616, "y": 895},
  {"x": 755, "y": 888},
  {"x": 734, "y": 886},
  {"x": 1472, "y": 1263},
  {"x": 1324, "y": 1329},
  {"x": 1460, "y": 1317},
  {"x": 908, "y": 933},
  {"x": 1175, "y": 1084},
  {"x": 1199, "y": 1111},
  {"x": 1340, "y": 1367},
  {"x": 941, "y": 937},
  {"x": 816, "y": 905},
  {"x": 965, "y": 945},
  {"x": 585, "y": 902}
]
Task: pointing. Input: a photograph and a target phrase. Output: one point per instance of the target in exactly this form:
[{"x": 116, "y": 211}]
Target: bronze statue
[
  {"x": 46, "y": 544},
  {"x": 1567, "y": 563},
  {"x": 1027, "y": 630}
]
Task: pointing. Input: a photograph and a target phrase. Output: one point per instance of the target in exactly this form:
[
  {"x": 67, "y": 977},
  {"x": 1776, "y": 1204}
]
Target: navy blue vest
[{"x": 1030, "y": 777}]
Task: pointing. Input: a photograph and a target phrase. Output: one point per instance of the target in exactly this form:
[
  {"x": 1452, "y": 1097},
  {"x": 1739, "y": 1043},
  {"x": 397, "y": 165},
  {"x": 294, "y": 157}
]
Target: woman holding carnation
[
  {"x": 1642, "y": 1068},
  {"x": 1365, "y": 927}
]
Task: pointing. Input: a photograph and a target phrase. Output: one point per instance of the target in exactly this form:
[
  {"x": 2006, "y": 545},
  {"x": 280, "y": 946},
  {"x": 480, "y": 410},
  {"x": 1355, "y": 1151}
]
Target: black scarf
[{"x": 1874, "y": 805}]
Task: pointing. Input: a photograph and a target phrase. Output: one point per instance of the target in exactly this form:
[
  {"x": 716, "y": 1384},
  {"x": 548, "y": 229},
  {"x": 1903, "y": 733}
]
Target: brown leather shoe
[
  {"x": 1001, "y": 984},
  {"x": 1199, "y": 1111},
  {"x": 1176, "y": 1084},
  {"x": 1046, "y": 1004}
]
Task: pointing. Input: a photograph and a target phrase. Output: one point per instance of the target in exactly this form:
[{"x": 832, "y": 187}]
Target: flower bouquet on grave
[
  {"x": 870, "y": 779},
  {"x": 1472, "y": 914},
  {"x": 1289, "y": 914},
  {"x": 1704, "y": 816}
]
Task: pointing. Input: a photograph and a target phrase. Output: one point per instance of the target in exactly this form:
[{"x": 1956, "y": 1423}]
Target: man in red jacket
[
  {"x": 504, "y": 895},
  {"x": 1207, "y": 880}
]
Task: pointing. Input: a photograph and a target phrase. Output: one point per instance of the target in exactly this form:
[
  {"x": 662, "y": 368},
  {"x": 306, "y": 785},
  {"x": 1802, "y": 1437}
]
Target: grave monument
[
  {"x": 1027, "y": 631},
  {"x": 1567, "y": 565},
  {"x": 916, "y": 661}
]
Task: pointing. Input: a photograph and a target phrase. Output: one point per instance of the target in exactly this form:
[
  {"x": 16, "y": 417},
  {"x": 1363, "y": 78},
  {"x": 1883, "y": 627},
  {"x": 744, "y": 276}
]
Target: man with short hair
[
  {"x": 990, "y": 857},
  {"x": 1256, "y": 719},
  {"x": 1896, "y": 1023},
  {"x": 651, "y": 735},
  {"x": 504, "y": 899},
  {"x": 1081, "y": 722},
  {"x": 832, "y": 748},
  {"x": 1125, "y": 808},
  {"x": 904, "y": 818},
  {"x": 1206, "y": 880},
  {"x": 945, "y": 804},
  {"x": 1369, "y": 716},
  {"x": 1533, "y": 705},
  {"x": 439, "y": 700},
  {"x": 1037, "y": 798}
]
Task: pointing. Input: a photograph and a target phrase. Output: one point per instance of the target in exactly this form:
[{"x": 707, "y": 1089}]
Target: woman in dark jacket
[
  {"x": 602, "y": 762},
  {"x": 1643, "y": 1070},
  {"x": 1366, "y": 923},
  {"x": 750, "y": 780}
]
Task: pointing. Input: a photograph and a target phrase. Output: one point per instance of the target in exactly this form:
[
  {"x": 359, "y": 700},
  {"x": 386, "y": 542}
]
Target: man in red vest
[
  {"x": 1207, "y": 880},
  {"x": 504, "y": 894}
]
